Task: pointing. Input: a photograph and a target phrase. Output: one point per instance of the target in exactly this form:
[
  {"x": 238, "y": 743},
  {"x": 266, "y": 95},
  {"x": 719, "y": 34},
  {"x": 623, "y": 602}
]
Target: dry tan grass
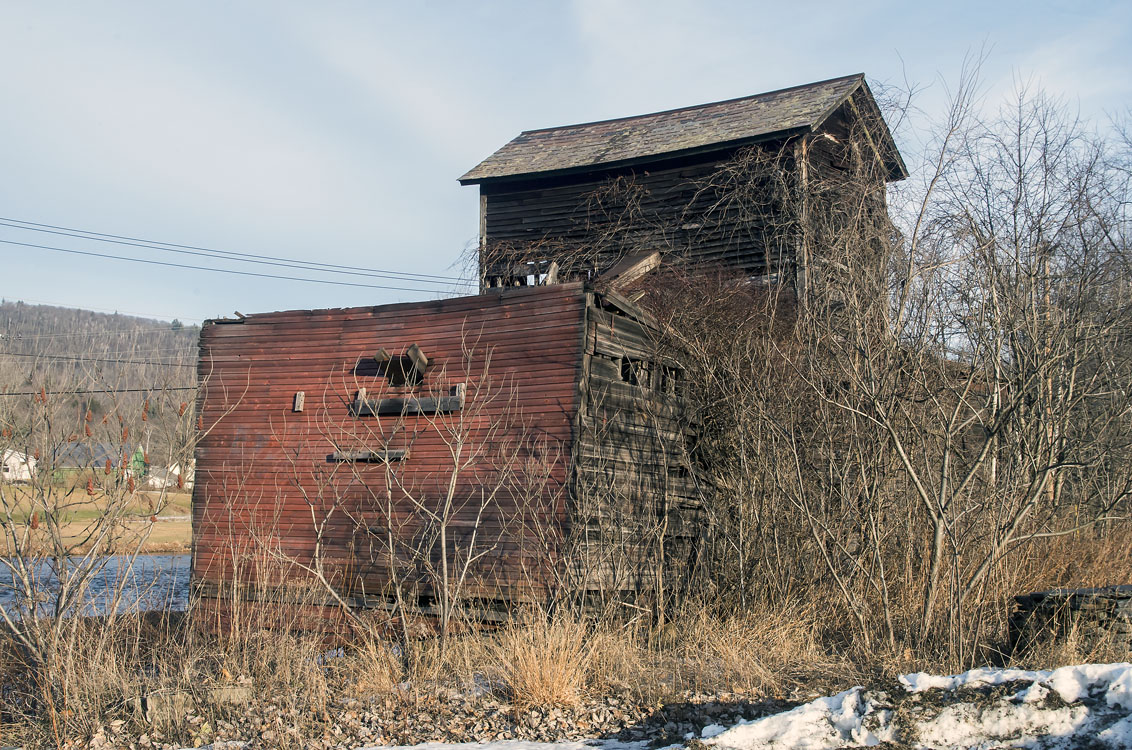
[
  {"x": 756, "y": 652},
  {"x": 543, "y": 661},
  {"x": 761, "y": 652},
  {"x": 162, "y": 518},
  {"x": 370, "y": 667},
  {"x": 1074, "y": 646},
  {"x": 1078, "y": 560},
  {"x": 769, "y": 650}
]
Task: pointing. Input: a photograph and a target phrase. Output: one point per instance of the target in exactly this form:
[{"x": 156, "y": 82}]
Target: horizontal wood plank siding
[
  {"x": 674, "y": 211},
  {"x": 637, "y": 512},
  {"x": 267, "y": 477}
]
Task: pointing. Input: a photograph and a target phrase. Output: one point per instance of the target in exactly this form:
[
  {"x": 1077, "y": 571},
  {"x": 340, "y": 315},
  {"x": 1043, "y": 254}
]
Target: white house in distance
[
  {"x": 164, "y": 479},
  {"x": 16, "y": 466}
]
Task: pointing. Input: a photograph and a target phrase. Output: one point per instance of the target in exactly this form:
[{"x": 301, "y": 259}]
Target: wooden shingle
[{"x": 678, "y": 132}]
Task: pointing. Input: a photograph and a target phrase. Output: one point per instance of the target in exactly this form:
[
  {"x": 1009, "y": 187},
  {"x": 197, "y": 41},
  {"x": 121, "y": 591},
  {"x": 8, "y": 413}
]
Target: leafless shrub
[{"x": 928, "y": 402}]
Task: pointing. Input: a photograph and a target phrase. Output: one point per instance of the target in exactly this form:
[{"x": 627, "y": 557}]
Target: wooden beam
[
  {"x": 802, "y": 251},
  {"x": 551, "y": 273},
  {"x": 427, "y": 405},
  {"x": 417, "y": 358},
  {"x": 629, "y": 269},
  {"x": 368, "y": 457}
]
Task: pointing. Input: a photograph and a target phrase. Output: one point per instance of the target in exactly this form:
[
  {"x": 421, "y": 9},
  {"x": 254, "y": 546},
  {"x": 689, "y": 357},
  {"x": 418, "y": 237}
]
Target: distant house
[
  {"x": 81, "y": 455},
  {"x": 170, "y": 477},
  {"x": 17, "y": 467},
  {"x": 161, "y": 479},
  {"x": 571, "y": 201},
  {"x": 187, "y": 473}
]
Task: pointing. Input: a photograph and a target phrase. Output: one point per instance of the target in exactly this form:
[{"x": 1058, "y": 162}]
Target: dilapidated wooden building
[
  {"x": 731, "y": 184},
  {"x": 530, "y": 442},
  {"x": 509, "y": 447}
]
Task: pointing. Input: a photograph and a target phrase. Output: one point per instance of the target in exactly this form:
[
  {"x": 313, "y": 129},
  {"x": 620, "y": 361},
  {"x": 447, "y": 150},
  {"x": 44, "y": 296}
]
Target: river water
[{"x": 153, "y": 582}]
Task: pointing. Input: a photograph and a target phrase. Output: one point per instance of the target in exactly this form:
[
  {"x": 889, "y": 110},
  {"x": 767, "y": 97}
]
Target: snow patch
[{"x": 1094, "y": 700}]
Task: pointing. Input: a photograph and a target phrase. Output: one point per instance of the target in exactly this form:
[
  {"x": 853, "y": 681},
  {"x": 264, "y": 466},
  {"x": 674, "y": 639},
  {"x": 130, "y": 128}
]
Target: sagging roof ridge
[
  {"x": 691, "y": 107},
  {"x": 519, "y": 158}
]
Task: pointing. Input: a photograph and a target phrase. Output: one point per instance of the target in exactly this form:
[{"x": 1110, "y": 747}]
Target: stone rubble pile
[{"x": 1096, "y": 616}]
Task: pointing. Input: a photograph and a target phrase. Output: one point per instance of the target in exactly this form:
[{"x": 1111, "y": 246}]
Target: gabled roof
[
  {"x": 86, "y": 455},
  {"x": 677, "y": 132}
]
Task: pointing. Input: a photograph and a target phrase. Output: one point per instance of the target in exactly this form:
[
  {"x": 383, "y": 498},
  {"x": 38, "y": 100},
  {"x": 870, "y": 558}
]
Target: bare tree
[{"x": 77, "y": 503}]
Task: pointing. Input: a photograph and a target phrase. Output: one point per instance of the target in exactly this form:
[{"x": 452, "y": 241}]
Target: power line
[
  {"x": 99, "y": 390},
  {"x": 301, "y": 265},
  {"x": 271, "y": 260},
  {"x": 95, "y": 359},
  {"x": 216, "y": 270},
  {"x": 92, "y": 334}
]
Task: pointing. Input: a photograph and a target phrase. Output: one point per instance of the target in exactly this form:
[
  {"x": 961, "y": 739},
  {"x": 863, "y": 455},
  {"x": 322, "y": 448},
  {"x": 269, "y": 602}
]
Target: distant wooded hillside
[{"x": 42, "y": 346}]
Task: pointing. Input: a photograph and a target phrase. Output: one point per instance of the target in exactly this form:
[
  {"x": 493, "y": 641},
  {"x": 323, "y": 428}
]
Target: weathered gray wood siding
[
  {"x": 636, "y": 510},
  {"x": 587, "y": 223}
]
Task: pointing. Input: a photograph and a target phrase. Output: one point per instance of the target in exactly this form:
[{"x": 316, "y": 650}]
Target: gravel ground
[{"x": 410, "y": 717}]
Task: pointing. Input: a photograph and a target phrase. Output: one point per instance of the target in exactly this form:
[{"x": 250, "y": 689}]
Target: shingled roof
[{"x": 676, "y": 132}]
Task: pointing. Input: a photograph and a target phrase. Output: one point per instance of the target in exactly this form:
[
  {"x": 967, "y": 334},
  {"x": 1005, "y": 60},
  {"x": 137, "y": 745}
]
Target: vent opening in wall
[{"x": 403, "y": 369}]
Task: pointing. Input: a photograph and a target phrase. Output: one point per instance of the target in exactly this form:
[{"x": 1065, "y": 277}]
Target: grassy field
[{"x": 163, "y": 519}]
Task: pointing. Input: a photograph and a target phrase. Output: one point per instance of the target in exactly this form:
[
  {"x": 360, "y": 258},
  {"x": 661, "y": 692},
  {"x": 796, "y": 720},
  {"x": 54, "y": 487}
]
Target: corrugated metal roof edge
[
  {"x": 499, "y": 294},
  {"x": 492, "y": 296}
]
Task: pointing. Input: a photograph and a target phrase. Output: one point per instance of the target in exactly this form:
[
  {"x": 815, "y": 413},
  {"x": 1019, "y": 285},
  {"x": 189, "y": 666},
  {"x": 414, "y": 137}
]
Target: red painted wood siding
[{"x": 264, "y": 483}]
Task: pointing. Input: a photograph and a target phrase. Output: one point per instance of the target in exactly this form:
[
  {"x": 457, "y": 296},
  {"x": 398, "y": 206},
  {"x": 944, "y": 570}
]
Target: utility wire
[
  {"x": 216, "y": 270},
  {"x": 301, "y": 265},
  {"x": 271, "y": 260},
  {"x": 99, "y": 390},
  {"x": 92, "y": 334},
  {"x": 96, "y": 359}
]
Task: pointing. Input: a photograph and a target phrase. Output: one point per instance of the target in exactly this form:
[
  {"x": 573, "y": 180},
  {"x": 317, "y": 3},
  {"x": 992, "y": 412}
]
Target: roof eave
[
  {"x": 471, "y": 179},
  {"x": 897, "y": 170}
]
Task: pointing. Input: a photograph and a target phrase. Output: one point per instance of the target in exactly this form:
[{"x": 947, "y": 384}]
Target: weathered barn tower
[{"x": 727, "y": 184}]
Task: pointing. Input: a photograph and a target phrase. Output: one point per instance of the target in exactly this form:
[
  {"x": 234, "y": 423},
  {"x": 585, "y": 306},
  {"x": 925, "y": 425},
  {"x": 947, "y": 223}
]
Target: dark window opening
[
  {"x": 634, "y": 371},
  {"x": 670, "y": 379},
  {"x": 406, "y": 369},
  {"x": 400, "y": 371}
]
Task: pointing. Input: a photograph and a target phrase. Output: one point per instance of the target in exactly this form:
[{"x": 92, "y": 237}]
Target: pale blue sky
[{"x": 335, "y": 131}]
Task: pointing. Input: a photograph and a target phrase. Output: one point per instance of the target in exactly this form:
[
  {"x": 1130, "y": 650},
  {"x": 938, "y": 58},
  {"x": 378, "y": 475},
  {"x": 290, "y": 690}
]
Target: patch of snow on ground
[
  {"x": 824, "y": 723},
  {"x": 982, "y": 708}
]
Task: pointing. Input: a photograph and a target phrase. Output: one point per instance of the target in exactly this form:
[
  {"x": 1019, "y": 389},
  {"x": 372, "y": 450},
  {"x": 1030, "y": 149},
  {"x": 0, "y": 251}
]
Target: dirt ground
[{"x": 161, "y": 521}]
